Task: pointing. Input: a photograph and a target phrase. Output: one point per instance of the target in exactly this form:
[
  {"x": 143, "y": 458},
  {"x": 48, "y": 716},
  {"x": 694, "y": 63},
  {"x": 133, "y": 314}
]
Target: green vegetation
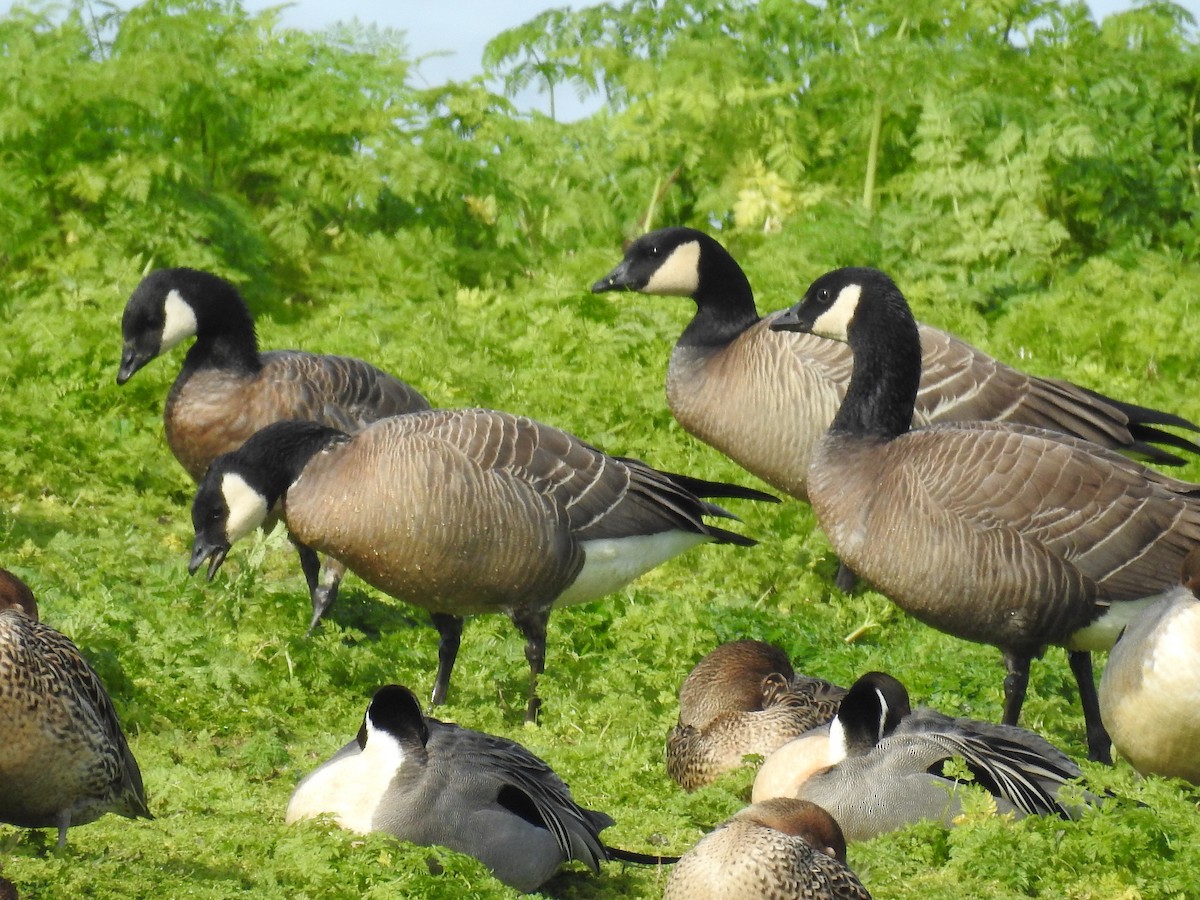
[{"x": 1028, "y": 176}]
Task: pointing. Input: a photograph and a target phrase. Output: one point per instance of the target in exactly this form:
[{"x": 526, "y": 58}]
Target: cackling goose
[
  {"x": 990, "y": 531},
  {"x": 462, "y": 512},
  {"x": 227, "y": 389}
]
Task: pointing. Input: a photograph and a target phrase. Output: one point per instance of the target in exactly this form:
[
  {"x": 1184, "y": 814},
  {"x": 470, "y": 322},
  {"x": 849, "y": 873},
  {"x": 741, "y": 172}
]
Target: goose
[
  {"x": 65, "y": 760},
  {"x": 743, "y": 698},
  {"x": 992, "y": 532},
  {"x": 764, "y": 398},
  {"x": 780, "y": 849},
  {"x": 1150, "y": 689},
  {"x": 228, "y": 389},
  {"x": 885, "y": 761},
  {"x": 462, "y": 512},
  {"x": 431, "y": 782}
]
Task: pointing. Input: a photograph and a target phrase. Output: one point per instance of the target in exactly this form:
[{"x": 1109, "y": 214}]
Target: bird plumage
[
  {"x": 743, "y": 698},
  {"x": 65, "y": 760},
  {"x": 993, "y": 532},
  {"x": 227, "y": 389},
  {"x": 430, "y": 782},
  {"x": 463, "y": 512}
]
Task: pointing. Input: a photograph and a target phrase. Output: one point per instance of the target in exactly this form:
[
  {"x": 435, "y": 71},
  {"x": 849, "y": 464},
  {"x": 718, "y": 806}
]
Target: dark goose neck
[
  {"x": 225, "y": 336},
  {"x": 724, "y": 300},
  {"x": 887, "y": 367}
]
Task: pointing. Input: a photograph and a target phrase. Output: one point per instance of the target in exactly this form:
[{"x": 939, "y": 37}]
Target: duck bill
[{"x": 213, "y": 553}]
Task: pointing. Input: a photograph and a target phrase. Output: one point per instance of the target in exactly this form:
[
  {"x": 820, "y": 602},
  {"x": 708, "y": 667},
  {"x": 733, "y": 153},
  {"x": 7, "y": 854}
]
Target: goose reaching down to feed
[
  {"x": 65, "y": 760},
  {"x": 885, "y": 759},
  {"x": 743, "y": 698},
  {"x": 430, "y": 782},
  {"x": 780, "y": 849},
  {"x": 228, "y": 389},
  {"x": 462, "y": 512},
  {"x": 1150, "y": 691},
  {"x": 990, "y": 531}
]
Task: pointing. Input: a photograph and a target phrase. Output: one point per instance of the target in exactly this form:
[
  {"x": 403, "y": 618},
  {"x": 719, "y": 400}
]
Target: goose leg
[
  {"x": 449, "y": 637},
  {"x": 531, "y": 622},
  {"x": 1015, "y": 684},
  {"x": 1099, "y": 744}
]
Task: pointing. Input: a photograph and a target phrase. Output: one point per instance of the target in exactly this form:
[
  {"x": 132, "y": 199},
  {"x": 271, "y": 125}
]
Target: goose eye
[
  {"x": 654, "y": 250},
  {"x": 823, "y": 295}
]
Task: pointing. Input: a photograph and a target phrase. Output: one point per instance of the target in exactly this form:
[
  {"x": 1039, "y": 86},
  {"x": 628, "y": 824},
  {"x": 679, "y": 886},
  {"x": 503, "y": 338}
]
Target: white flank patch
[
  {"x": 351, "y": 788},
  {"x": 179, "y": 321},
  {"x": 247, "y": 507},
  {"x": 1102, "y": 633},
  {"x": 612, "y": 563},
  {"x": 835, "y": 322},
  {"x": 679, "y": 274}
]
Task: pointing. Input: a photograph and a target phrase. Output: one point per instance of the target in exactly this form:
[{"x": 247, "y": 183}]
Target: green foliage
[{"x": 1034, "y": 191}]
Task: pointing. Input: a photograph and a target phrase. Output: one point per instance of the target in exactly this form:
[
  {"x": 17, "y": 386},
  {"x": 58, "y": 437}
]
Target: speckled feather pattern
[
  {"x": 745, "y": 859},
  {"x": 743, "y": 698},
  {"x": 65, "y": 759},
  {"x": 1056, "y": 530},
  {"x": 468, "y": 511},
  {"x": 210, "y": 411}
]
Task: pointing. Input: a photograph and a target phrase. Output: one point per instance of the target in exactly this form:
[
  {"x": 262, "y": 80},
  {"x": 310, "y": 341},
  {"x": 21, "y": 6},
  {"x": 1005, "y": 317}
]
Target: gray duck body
[
  {"x": 780, "y": 849},
  {"x": 433, "y": 783},
  {"x": 65, "y": 760},
  {"x": 993, "y": 532},
  {"x": 743, "y": 698},
  {"x": 889, "y": 771}
]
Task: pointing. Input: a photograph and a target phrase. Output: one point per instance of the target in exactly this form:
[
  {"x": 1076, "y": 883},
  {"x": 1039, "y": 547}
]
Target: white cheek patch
[
  {"x": 679, "y": 275},
  {"x": 179, "y": 321},
  {"x": 247, "y": 507},
  {"x": 835, "y": 322}
]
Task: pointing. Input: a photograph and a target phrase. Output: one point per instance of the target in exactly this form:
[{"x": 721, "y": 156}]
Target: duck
[
  {"x": 66, "y": 761},
  {"x": 764, "y": 398},
  {"x": 742, "y": 698},
  {"x": 430, "y": 782},
  {"x": 1150, "y": 688},
  {"x": 992, "y": 532},
  {"x": 884, "y": 766},
  {"x": 462, "y": 512},
  {"x": 228, "y": 389},
  {"x": 779, "y": 849}
]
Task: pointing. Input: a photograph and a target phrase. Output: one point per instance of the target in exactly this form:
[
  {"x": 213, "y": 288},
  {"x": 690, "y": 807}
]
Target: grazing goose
[
  {"x": 462, "y": 512},
  {"x": 742, "y": 698},
  {"x": 989, "y": 531},
  {"x": 429, "y": 782},
  {"x": 885, "y": 762},
  {"x": 780, "y": 849},
  {"x": 1151, "y": 686},
  {"x": 64, "y": 760},
  {"x": 227, "y": 389}
]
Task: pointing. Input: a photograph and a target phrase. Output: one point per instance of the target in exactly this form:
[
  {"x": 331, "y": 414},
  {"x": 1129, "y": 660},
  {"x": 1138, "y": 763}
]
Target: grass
[{"x": 227, "y": 704}]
